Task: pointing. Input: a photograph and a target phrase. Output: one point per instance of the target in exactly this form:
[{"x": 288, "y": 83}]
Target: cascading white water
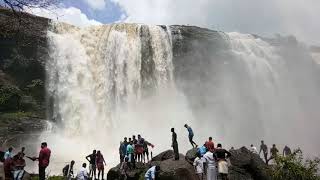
[{"x": 95, "y": 81}]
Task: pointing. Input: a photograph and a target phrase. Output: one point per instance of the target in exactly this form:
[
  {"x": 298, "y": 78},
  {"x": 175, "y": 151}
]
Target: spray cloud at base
[{"x": 111, "y": 81}]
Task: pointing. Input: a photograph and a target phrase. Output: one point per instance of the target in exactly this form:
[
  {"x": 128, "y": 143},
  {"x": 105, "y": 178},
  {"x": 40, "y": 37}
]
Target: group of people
[
  {"x": 273, "y": 151},
  {"x": 96, "y": 161},
  {"x": 210, "y": 161},
  {"x": 14, "y": 164},
  {"x": 134, "y": 150}
]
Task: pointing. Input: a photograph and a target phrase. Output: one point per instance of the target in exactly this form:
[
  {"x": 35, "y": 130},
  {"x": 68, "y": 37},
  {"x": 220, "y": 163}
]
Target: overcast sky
[{"x": 262, "y": 17}]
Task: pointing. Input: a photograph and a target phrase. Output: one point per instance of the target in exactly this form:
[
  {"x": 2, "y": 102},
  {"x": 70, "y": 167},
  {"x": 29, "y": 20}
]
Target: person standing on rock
[
  {"x": 135, "y": 142},
  {"x": 122, "y": 150},
  {"x": 175, "y": 145},
  {"x": 264, "y": 149},
  {"x": 151, "y": 174},
  {"x": 100, "y": 162},
  {"x": 209, "y": 145},
  {"x": 130, "y": 154},
  {"x": 44, "y": 160},
  {"x": 274, "y": 152},
  {"x": 210, "y": 159},
  {"x": 222, "y": 156},
  {"x": 198, "y": 165},
  {"x": 146, "y": 150},
  {"x": 92, "y": 164},
  {"x": 286, "y": 151},
  {"x": 190, "y": 135}
]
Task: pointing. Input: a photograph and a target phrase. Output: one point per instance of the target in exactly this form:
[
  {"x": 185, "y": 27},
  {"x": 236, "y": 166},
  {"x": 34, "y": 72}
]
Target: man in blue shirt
[
  {"x": 152, "y": 173},
  {"x": 191, "y": 136}
]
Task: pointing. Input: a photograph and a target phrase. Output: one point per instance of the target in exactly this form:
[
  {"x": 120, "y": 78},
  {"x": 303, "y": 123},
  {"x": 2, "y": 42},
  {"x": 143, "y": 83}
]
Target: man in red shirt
[
  {"x": 44, "y": 159},
  {"x": 209, "y": 145}
]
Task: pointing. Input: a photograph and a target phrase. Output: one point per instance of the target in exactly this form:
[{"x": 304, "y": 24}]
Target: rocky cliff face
[{"x": 23, "y": 52}]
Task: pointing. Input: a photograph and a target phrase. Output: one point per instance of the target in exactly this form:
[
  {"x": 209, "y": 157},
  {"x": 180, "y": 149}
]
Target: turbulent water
[{"x": 107, "y": 82}]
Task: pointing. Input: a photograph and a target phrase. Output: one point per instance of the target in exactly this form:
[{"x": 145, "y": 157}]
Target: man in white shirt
[
  {"x": 151, "y": 173},
  {"x": 8, "y": 154},
  {"x": 83, "y": 173},
  {"x": 253, "y": 149},
  {"x": 211, "y": 159},
  {"x": 198, "y": 164}
]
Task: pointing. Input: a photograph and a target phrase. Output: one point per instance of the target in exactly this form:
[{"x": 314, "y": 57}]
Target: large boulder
[
  {"x": 246, "y": 165},
  {"x": 134, "y": 174},
  {"x": 170, "y": 169},
  {"x": 191, "y": 155},
  {"x": 176, "y": 170}
]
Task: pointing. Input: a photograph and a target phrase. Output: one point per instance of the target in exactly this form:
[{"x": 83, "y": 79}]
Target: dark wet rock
[
  {"x": 176, "y": 170},
  {"x": 170, "y": 169},
  {"x": 191, "y": 155},
  {"x": 134, "y": 174},
  {"x": 169, "y": 154},
  {"x": 247, "y": 165}
]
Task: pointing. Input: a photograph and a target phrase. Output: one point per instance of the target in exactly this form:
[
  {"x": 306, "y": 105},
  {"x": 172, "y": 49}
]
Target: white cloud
[
  {"x": 96, "y": 4},
  {"x": 265, "y": 17},
  {"x": 69, "y": 15}
]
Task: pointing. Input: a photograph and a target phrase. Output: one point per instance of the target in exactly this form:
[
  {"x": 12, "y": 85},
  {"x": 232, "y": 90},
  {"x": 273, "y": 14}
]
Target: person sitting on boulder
[
  {"x": 124, "y": 168},
  {"x": 83, "y": 173},
  {"x": 209, "y": 145},
  {"x": 210, "y": 160},
  {"x": 286, "y": 151},
  {"x": 264, "y": 149},
  {"x": 222, "y": 156},
  {"x": 190, "y": 135},
  {"x": 175, "y": 145},
  {"x": 253, "y": 149},
  {"x": 151, "y": 174},
  {"x": 68, "y": 170},
  {"x": 199, "y": 165}
]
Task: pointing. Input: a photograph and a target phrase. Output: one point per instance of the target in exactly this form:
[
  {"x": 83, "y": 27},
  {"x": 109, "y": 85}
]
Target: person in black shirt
[
  {"x": 92, "y": 161},
  {"x": 286, "y": 151},
  {"x": 222, "y": 156},
  {"x": 175, "y": 145},
  {"x": 264, "y": 149}
]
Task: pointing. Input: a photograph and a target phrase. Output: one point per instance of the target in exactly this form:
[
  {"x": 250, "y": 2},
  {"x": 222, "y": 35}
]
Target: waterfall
[{"x": 113, "y": 81}]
